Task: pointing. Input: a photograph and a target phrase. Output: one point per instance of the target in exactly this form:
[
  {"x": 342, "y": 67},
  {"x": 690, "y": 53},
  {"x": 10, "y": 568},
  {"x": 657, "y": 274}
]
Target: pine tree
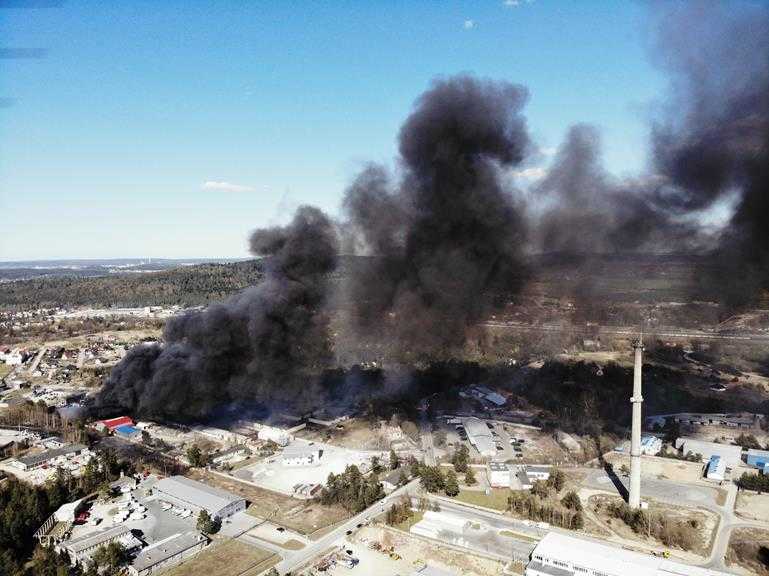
[
  {"x": 394, "y": 460},
  {"x": 452, "y": 486},
  {"x": 470, "y": 477}
]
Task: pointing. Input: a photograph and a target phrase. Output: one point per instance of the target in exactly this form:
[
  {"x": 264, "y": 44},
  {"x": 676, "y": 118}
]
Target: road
[
  {"x": 675, "y": 493},
  {"x": 426, "y": 435},
  {"x": 633, "y": 332},
  {"x": 295, "y": 560}
]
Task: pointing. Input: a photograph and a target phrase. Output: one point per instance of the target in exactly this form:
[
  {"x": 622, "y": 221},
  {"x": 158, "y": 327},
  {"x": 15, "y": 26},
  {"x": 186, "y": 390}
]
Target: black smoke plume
[
  {"x": 710, "y": 147},
  {"x": 445, "y": 235},
  {"x": 264, "y": 346},
  {"x": 714, "y": 143}
]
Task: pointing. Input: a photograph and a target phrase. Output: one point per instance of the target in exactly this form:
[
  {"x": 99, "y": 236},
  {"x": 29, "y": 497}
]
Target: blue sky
[{"x": 111, "y": 137}]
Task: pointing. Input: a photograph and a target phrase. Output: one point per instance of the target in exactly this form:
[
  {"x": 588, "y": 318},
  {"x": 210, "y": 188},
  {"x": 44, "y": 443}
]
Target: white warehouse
[
  {"x": 300, "y": 455},
  {"x": 480, "y": 437},
  {"x": 197, "y": 496},
  {"x": 271, "y": 434},
  {"x": 561, "y": 555}
]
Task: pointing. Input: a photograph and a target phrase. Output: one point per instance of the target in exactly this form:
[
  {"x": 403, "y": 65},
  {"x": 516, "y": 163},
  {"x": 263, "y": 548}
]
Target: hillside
[{"x": 185, "y": 286}]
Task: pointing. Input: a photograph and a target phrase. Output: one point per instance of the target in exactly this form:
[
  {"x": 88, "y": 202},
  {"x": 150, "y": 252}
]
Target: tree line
[
  {"x": 183, "y": 286},
  {"x": 352, "y": 490}
]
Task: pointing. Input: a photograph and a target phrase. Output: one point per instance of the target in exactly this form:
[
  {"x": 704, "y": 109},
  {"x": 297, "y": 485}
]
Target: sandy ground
[
  {"x": 595, "y": 506},
  {"x": 412, "y": 554},
  {"x": 357, "y": 434},
  {"x": 662, "y": 468},
  {"x": 752, "y": 506}
]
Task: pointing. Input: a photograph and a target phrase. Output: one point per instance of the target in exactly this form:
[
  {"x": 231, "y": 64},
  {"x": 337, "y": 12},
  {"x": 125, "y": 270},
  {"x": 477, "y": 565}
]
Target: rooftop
[
  {"x": 46, "y": 455},
  {"x": 87, "y": 541},
  {"x": 196, "y": 493},
  {"x": 112, "y": 423},
  {"x": 166, "y": 548},
  {"x": 611, "y": 560}
]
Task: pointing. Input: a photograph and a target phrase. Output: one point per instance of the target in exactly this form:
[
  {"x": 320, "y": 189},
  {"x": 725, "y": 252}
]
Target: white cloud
[
  {"x": 469, "y": 24},
  {"x": 512, "y": 3},
  {"x": 548, "y": 151},
  {"x": 531, "y": 174},
  {"x": 222, "y": 186}
]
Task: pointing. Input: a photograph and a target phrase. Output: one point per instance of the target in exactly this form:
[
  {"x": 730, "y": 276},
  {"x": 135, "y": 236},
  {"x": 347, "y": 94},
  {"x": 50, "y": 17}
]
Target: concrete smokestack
[{"x": 635, "y": 439}]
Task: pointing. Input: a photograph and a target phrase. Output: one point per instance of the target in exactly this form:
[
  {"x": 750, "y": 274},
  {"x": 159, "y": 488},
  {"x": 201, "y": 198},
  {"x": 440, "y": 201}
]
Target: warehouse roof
[
  {"x": 480, "y": 436},
  {"x": 611, "y": 560},
  {"x": 47, "y": 455},
  {"x": 165, "y": 549},
  {"x": 113, "y": 423},
  {"x": 196, "y": 493},
  {"x": 82, "y": 543}
]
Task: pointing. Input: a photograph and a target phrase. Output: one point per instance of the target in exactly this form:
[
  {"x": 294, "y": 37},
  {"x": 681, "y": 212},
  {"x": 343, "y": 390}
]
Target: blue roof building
[
  {"x": 129, "y": 432},
  {"x": 758, "y": 458}
]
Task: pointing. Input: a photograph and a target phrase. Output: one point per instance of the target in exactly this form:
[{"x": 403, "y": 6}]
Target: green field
[{"x": 496, "y": 500}]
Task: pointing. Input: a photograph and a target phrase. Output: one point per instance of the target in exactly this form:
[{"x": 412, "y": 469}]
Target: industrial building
[
  {"x": 128, "y": 432},
  {"x": 112, "y": 423},
  {"x": 499, "y": 474},
  {"x": 300, "y": 455},
  {"x": 528, "y": 474},
  {"x": 716, "y": 469},
  {"x": 758, "y": 458},
  {"x": 48, "y": 457},
  {"x": 81, "y": 549},
  {"x": 745, "y": 420},
  {"x": 561, "y": 555},
  {"x": 270, "y": 434},
  {"x": 197, "y": 496},
  {"x": 651, "y": 445},
  {"x": 166, "y": 553},
  {"x": 732, "y": 455},
  {"x": 480, "y": 437}
]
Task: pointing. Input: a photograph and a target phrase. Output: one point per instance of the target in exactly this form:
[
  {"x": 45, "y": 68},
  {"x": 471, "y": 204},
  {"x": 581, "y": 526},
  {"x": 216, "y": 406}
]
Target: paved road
[
  {"x": 295, "y": 560},
  {"x": 494, "y": 520},
  {"x": 694, "y": 496},
  {"x": 426, "y": 435},
  {"x": 461, "y": 527}
]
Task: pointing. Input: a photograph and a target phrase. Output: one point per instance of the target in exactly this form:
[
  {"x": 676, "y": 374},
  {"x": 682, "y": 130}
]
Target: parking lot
[{"x": 512, "y": 441}]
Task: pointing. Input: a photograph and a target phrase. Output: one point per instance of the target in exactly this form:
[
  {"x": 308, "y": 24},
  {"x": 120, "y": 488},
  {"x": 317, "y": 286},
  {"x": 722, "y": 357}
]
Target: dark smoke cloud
[
  {"x": 446, "y": 236},
  {"x": 714, "y": 142},
  {"x": 708, "y": 147},
  {"x": 264, "y": 346},
  {"x": 589, "y": 212}
]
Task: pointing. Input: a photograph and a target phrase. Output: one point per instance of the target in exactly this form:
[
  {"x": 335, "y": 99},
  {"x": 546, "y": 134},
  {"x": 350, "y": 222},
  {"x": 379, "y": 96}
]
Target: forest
[{"x": 184, "y": 286}]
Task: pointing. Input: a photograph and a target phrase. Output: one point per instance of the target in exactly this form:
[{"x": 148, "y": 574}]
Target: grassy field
[
  {"x": 496, "y": 500},
  {"x": 231, "y": 558},
  {"x": 409, "y": 522}
]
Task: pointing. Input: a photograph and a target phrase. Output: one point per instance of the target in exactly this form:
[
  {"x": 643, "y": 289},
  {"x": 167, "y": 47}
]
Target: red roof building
[{"x": 113, "y": 423}]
